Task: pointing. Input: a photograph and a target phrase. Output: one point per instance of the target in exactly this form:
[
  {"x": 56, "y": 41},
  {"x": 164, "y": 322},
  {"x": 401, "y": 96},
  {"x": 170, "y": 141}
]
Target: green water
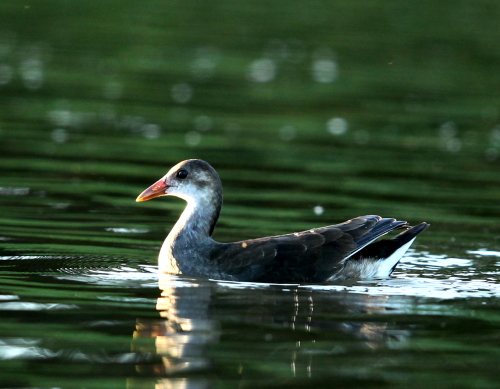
[{"x": 312, "y": 113}]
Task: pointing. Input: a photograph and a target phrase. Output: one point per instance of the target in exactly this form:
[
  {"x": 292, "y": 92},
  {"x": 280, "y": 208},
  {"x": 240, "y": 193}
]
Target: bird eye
[{"x": 182, "y": 174}]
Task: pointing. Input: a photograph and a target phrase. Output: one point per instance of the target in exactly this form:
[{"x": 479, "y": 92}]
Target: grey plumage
[{"x": 322, "y": 254}]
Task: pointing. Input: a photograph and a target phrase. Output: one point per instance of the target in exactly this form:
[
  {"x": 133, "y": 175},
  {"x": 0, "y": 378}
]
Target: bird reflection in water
[
  {"x": 306, "y": 325},
  {"x": 320, "y": 326},
  {"x": 181, "y": 334}
]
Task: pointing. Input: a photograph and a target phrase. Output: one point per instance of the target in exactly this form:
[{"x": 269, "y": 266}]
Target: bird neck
[
  {"x": 197, "y": 222},
  {"x": 187, "y": 248}
]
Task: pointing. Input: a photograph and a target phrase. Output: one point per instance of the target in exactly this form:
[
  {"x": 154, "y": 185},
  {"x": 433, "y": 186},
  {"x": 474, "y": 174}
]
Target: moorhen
[{"x": 324, "y": 254}]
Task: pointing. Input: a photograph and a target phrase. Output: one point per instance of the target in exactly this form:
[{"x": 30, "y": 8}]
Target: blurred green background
[
  {"x": 359, "y": 108},
  {"x": 312, "y": 112}
]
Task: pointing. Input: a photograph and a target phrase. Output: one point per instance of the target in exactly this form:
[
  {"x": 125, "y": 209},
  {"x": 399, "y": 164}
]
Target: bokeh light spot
[
  {"x": 182, "y": 93},
  {"x": 318, "y": 210},
  {"x": 325, "y": 70},
  {"x": 337, "y": 126},
  {"x": 287, "y": 133},
  {"x": 151, "y": 131},
  {"x": 262, "y": 70},
  {"x": 193, "y": 138},
  {"x": 60, "y": 135}
]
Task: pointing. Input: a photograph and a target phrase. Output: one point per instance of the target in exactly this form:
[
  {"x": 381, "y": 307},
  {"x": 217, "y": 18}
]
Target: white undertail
[{"x": 386, "y": 265}]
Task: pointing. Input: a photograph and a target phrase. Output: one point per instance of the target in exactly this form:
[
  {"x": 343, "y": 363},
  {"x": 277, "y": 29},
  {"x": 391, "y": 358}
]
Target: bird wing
[{"x": 310, "y": 255}]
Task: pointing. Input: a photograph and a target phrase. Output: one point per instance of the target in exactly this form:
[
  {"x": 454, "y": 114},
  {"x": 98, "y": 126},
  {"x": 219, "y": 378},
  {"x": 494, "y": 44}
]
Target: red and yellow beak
[{"x": 155, "y": 190}]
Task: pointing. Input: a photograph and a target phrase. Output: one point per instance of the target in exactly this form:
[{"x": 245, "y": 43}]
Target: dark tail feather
[
  {"x": 383, "y": 227},
  {"x": 410, "y": 233},
  {"x": 384, "y": 248}
]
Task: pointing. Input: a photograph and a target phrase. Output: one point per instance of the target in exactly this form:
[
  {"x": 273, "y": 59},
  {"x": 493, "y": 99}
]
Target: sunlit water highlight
[{"x": 418, "y": 274}]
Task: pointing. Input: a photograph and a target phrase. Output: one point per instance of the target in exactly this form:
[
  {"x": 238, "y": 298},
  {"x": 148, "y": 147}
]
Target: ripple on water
[
  {"x": 484, "y": 253},
  {"x": 143, "y": 276},
  {"x": 30, "y": 306},
  {"x": 419, "y": 274}
]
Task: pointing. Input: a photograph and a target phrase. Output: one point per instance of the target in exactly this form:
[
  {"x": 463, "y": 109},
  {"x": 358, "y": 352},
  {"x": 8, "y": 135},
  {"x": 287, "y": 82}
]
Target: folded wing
[{"x": 308, "y": 256}]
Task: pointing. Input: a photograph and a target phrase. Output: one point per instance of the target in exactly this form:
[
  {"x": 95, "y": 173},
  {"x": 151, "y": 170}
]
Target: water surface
[{"x": 312, "y": 114}]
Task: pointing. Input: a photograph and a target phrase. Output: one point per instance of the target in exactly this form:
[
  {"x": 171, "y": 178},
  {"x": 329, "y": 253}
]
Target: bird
[{"x": 351, "y": 249}]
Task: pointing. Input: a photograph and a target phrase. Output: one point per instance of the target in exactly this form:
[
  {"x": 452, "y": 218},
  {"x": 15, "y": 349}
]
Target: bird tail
[{"x": 380, "y": 258}]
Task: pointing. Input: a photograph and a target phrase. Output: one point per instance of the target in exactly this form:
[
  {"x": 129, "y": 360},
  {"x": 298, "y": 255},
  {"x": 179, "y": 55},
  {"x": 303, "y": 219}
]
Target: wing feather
[{"x": 311, "y": 255}]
